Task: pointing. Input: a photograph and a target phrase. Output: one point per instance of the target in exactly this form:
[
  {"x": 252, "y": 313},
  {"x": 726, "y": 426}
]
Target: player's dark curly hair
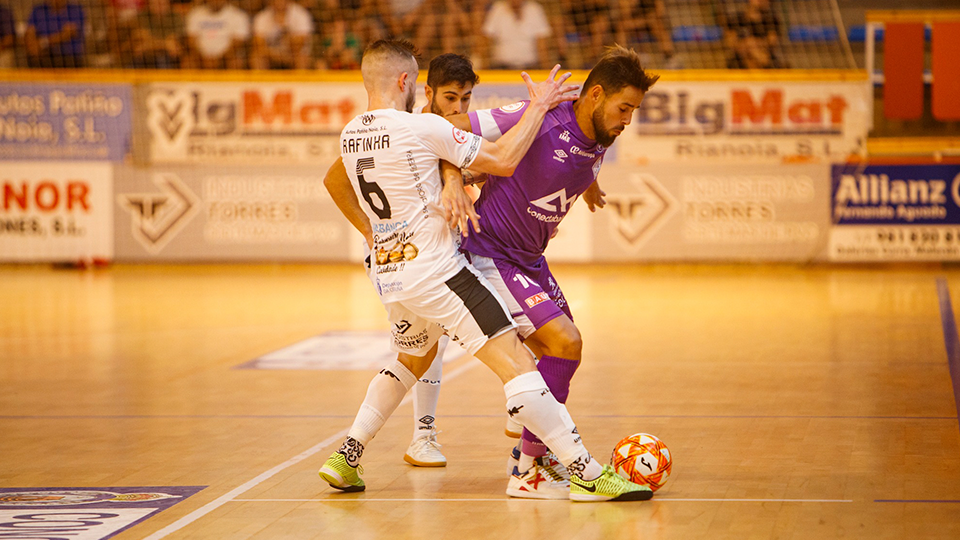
[
  {"x": 619, "y": 67},
  {"x": 451, "y": 68}
]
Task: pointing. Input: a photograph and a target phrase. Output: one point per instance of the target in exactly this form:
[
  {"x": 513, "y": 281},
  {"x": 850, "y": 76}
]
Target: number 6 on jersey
[{"x": 368, "y": 188}]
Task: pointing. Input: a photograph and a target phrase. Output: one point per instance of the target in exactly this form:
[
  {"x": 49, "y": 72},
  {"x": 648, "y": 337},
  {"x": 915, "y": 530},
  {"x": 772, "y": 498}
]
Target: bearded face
[
  {"x": 614, "y": 113},
  {"x": 605, "y": 134}
]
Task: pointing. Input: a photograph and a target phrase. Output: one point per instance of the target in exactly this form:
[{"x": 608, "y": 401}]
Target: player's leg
[
  {"x": 418, "y": 339},
  {"x": 424, "y": 450},
  {"x": 544, "y": 319},
  {"x": 529, "y": 400},
  {"x": 478, "y": 319}
]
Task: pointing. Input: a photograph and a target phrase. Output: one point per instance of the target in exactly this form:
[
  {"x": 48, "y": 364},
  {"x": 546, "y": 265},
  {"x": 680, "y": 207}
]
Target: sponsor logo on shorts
[
  {"x": 412, "y": 343},
  {"x": 538, "y": 298}
]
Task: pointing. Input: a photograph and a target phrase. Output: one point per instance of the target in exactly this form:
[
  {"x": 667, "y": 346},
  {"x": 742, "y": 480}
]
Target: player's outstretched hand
[
  {"x": 594, "y": 197},
  {"x": 552, "y": 91},
  {"x": 458, "y": 208}
]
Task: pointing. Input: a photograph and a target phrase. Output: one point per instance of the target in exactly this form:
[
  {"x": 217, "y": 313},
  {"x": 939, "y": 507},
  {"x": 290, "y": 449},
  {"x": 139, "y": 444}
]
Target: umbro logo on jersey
[
  {"x": 560, "y": 156},
  {"x": 367, "y": 119},
  {"x": 565, "y": 136}
]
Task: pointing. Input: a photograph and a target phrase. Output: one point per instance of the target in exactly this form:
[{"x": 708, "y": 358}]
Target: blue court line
[
  {"x": 914, "y": 501},
  {"x": 269, "y": 416},
  {"x": 950, "y": 338}
]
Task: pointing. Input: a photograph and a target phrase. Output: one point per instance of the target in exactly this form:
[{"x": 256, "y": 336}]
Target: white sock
[
  {"x": 384, "y": 395},
  {"x": 531, "y": 403},
  {"x": 426, "y": 394},
  {"x": 526, "y": 462}
]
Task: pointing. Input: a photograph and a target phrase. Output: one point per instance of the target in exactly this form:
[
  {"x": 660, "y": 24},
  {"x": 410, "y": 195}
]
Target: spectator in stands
[
  {"x": 281, "y": 37},
  {"x": 451, "y": 28},
  {"x": 55, "y": 35},
  {"x": 8, "y": 38},
  {"x": 753, "y": 38},
  {"x": 638, "y": 19},
  {"x": 342, "y": 48},
  {"x": 515, "y": 33},
  {"x": 125, "y": 11},
  {"x": 586, "y": 22},
  {"x": 158, "y": 37},
  {"x": 217, "y": 33}
]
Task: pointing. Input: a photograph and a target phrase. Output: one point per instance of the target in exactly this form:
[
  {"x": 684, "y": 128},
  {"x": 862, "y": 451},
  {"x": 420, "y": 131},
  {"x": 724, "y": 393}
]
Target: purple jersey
[{"x": 519, "y": 213}]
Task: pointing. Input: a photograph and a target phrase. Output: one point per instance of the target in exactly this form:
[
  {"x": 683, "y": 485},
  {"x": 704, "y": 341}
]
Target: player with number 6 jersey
[{"x": 393, "y": 156}]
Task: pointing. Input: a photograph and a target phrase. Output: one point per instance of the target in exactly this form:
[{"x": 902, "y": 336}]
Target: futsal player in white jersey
[{"x": 395, "y": 199}]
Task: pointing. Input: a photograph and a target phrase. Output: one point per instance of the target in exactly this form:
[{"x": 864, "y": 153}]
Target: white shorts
[{"x": 466, "y": 307}]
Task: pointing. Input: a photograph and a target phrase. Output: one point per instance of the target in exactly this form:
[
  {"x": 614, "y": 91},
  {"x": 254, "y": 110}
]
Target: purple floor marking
[{"x": 950, "y": 338}]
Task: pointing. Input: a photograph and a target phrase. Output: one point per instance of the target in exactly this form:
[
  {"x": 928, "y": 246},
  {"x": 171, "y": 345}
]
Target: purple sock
[{"x": 557, "y": 373}]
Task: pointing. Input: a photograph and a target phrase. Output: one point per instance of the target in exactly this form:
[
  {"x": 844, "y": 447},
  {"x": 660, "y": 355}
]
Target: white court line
[
  {"x": 510, "y": 499},
  {"x": 232, "y": 494}
]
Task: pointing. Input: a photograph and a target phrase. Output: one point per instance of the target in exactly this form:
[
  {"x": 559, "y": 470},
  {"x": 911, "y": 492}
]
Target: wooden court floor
[{"x": 799, "y": 402}]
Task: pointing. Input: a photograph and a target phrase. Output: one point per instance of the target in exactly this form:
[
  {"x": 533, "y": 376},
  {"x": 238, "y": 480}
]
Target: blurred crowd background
[{"x": 507, "y": 34}]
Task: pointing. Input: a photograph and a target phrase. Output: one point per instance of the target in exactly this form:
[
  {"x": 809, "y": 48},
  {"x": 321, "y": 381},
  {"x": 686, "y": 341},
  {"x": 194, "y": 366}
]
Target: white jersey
[{"x": 393, "y": 161}]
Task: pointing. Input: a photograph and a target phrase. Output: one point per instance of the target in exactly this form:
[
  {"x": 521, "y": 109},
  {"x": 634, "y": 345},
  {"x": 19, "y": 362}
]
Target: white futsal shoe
[
  {"x": 425, "y": 451},
  {"x": 553, "y": 467},
  {"x": 537, "y": 483}
]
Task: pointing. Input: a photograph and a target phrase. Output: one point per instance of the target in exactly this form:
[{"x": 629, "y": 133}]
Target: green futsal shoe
[
  {"x": 340, "y": 475},
  {"x": 609, "y": 486}
]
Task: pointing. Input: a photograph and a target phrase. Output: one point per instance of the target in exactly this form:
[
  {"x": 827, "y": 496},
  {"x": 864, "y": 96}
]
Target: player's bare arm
[
  {"x": 594, "y": 196},
  {"x": 502, "y": 157},
  {"x": 457, "y": 205},
  {"x": 474, "y": 178},
  {"x": 341, "y": 191}
]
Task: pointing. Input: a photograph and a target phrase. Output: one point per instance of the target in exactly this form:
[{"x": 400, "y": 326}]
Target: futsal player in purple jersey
[{"x": 519, "y": 215}]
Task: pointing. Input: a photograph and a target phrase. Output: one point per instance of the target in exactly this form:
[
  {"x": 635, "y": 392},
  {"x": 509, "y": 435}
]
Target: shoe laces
[
  {"x": 551, "y": 472},
  {"x": 430, "y": 440}
]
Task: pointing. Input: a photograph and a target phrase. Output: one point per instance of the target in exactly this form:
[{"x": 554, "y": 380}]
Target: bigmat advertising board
[
  {"x": 55, "y": 211},
  {"x": 739, "y": 122},
  {"x": 227, "y": 214},
  {"x": 725, "y": 121},
  {"x": 257, "y": 123},
  {"x": 64, "y": 121},
  {"x": 895, "y": 213},
  {"x": 719, "y": 212}
]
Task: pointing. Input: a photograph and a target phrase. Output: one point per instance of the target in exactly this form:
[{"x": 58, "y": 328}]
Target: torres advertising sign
[
  {"x": 197, "y": 213},
  {"x": 733, "y": 121},
  {"x": 64, "y": 121},
  {"x": 712, "y": 212},
  {"x": 895, "y": 212},
  {"x": 254, "y": 123}
]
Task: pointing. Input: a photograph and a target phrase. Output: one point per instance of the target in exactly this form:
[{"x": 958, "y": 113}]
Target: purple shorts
[{"x": 530, "y": 292}]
